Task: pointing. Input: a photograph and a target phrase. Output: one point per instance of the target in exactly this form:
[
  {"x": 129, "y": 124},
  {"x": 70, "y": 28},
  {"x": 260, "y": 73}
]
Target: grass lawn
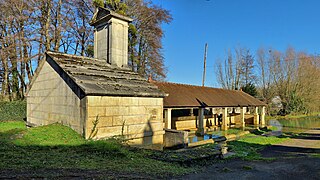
[
  {"x": 58, "y": 147},
  {"x": 248, "y": 147}
]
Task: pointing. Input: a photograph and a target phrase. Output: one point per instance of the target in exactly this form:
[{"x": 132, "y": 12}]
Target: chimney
[{"x": 111, "y": 37}]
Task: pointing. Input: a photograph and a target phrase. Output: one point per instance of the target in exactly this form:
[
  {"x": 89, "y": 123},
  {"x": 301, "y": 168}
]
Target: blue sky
[{"x": 225, "y": 24}]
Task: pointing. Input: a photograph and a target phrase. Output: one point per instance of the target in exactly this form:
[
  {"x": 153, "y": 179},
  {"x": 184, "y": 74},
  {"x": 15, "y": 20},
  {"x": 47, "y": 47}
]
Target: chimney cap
[
  {"x": 150, "y": 78},
  {"x": 103, "y": 14}
]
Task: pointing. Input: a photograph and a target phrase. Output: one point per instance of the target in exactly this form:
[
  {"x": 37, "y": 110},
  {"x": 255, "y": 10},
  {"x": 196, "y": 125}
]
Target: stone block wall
[
  {"x": 185, "y": 122},
  {"x": 51, "y": 100},
  {"x": 249, "y": 119},
  {"x": 138, "y": 119},
  {"x": 175, "y": 138},
  {"x": 190, "y": 122}
]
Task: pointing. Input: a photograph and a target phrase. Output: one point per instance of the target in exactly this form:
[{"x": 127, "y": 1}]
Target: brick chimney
[{"x": 111, "y": 37}]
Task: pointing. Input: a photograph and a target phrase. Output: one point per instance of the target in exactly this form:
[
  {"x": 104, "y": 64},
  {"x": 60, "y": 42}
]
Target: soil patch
[{"x": 291, "y": 168}]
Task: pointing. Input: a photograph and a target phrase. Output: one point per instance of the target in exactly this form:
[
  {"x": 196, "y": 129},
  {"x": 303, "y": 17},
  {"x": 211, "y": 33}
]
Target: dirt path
[
  {"x": 308, "y": 139},
  {"x": 293, "y": 162}
]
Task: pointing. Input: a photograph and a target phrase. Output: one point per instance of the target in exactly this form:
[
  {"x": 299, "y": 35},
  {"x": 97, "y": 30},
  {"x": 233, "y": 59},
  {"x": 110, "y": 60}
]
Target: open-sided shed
[{"x": 215, "y": 101}]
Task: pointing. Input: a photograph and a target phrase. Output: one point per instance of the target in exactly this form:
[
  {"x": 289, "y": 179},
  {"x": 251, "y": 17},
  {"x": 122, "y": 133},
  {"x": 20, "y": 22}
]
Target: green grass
[
  {"x": 315, "y": 155},
  {"x": 11, "y": 125},
  {"x": 248, "y": 147},
  {"x": 229, "y": 131},
  {"x": 50, "y": 135},
  {"x": 58, "y": 147},
  {"x": 15, "y": 110},
  {"x": 262, "y": 140}
]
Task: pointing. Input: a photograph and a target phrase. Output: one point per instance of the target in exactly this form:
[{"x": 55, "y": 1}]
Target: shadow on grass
[
  {"x": 251, "y": 151},
  {"x": 288, "y": 151},
  {"x": 23, "y": 156},
  {"x": 299, "y": 135}
]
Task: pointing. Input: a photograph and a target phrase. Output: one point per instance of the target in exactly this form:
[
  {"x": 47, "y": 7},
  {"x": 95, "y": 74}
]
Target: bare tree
[{"x": 236, "y": 72}]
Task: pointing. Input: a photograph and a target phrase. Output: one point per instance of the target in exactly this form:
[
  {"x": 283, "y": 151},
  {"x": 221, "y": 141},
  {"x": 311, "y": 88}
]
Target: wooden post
[
  {"x": 262, "y": 116},
  {"x": 242, "y": 111},
  {"x": 200, "y": 130},
  {"x": 214, "y": 116},
  {"x": 167, "y": 117},
  {"x": 256, "y": 116},
  {"x": 224, "y": 125},
  {"x": 191, "y": 112},
  {"x": 204, "y": 64}
]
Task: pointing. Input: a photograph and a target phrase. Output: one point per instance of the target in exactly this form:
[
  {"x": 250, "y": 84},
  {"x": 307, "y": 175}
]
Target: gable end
[{"x": 66, "y": 78}]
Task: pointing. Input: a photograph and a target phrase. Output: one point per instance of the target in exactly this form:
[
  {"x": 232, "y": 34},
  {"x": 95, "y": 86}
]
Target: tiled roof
[
  {"x": 182, "y": 95},
  {"x": 96, "y": 77}
]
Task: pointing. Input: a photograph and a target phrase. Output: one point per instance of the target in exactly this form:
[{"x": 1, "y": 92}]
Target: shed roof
[
  {"x": 182, "y": 95},
  {"x": 96, "y": 77}
]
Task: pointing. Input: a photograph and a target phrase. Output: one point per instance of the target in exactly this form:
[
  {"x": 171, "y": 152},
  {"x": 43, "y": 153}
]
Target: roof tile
[
  {"x": 96, "y": 77},
  {"x": 182, "y": 95}
]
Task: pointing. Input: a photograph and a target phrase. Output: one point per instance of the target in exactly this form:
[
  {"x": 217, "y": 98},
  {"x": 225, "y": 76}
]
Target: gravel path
[{"x": 294, "y": 161}]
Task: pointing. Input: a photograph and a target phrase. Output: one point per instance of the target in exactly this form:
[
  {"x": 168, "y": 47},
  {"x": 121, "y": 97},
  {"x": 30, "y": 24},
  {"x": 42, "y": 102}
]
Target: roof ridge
[
  {"x": 71, "y": 55},
  {"x": 94, "y": 60}
]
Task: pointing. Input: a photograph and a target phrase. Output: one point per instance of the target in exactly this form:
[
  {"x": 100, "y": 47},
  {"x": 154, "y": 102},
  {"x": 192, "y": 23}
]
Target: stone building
[
  {"x": 98, "y": 97},
  {"x": 101, "y": 97}
]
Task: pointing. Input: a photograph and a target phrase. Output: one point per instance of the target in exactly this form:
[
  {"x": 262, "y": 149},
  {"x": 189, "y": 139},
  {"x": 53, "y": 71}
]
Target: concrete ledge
[
  {"x": 231, "y": 137},
  {"x": 200, "y": 143}
]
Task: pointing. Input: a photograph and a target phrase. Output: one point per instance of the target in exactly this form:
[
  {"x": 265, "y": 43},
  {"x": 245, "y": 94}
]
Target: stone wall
[
  {"x": 139, "y": 119},
  {"x": 51, "y": 100},
  {"x": 184, "y": 122},
  {"x": 190, "y": 122},
  {"x": 175, "y": 138}
]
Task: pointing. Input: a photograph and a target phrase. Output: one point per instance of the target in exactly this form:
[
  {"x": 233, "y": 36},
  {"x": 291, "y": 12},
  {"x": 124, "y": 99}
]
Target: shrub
[{"x": 15, "y": 110}]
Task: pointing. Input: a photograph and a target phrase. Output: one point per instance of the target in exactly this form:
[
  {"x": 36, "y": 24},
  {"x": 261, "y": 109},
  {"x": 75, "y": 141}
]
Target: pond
[
  {"x": 283, "y": 125},
  {"x": 296, "y": 125}
]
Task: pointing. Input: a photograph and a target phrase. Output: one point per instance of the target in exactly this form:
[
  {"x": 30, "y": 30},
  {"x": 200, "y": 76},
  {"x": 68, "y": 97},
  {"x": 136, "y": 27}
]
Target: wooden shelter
[{"x": 209, "y": 104}]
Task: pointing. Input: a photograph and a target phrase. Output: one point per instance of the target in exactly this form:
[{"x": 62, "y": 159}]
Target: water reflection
[
  {"x": 296, "y": 125},
  {"x": 204, "y": 137},
  {"x": 276, "y": 124}
]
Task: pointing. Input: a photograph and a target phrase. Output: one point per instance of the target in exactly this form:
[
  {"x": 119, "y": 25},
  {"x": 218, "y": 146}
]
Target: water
[
  {"x": 296, "y": 125},
  {"x": 214, "y": 134},
  {"x": 201, "y": 138}
]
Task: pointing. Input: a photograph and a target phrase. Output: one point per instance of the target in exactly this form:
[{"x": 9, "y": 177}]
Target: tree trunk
[
  {"x": 47, "y": 24},
  {"x": 58, "y": 22}
]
